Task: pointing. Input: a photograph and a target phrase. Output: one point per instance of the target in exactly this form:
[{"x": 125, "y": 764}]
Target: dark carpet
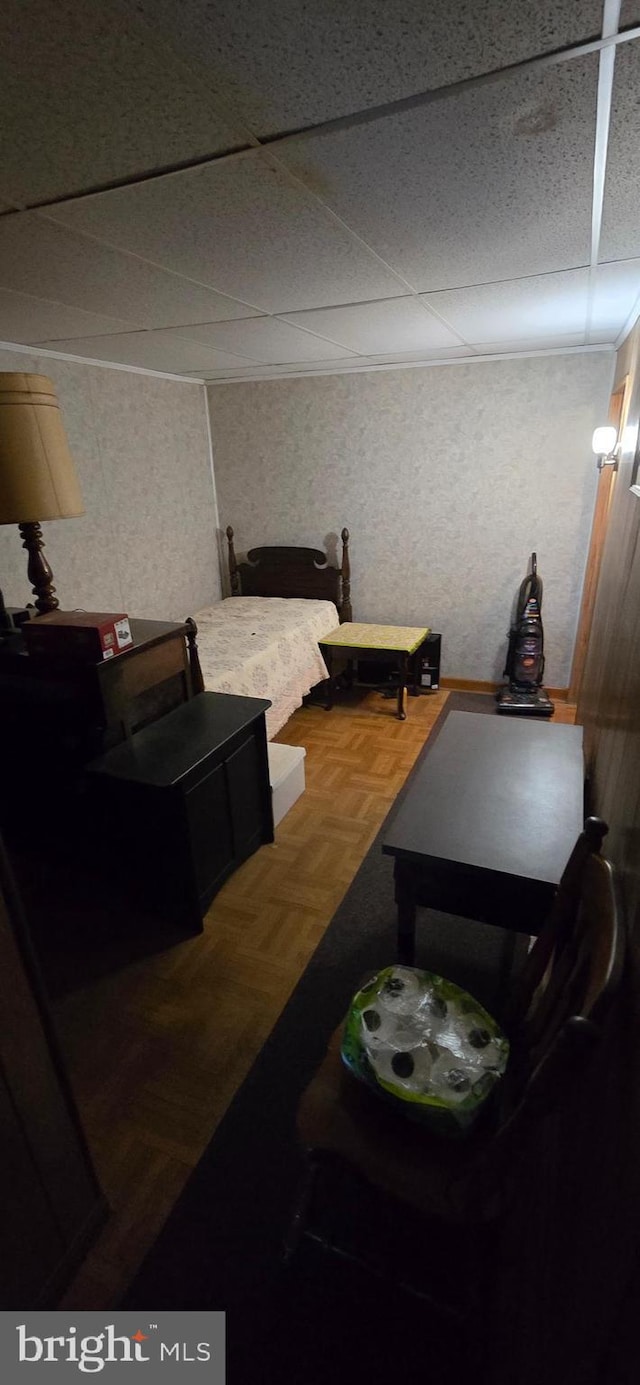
[{"x": 221, "y": 1247}]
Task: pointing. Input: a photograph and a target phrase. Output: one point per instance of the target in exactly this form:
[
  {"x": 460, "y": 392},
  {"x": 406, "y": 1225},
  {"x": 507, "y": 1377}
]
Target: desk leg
[
  {"x": 328, "y": 658},
  {"x": 405, "y": 900},
  {"x": 402, "y": 685},
  {"x": 507, "y": 960}
]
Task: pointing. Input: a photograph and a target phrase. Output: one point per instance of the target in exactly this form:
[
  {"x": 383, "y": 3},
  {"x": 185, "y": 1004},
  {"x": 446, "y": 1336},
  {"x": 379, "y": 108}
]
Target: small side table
[{"x": 393, "y": 644}]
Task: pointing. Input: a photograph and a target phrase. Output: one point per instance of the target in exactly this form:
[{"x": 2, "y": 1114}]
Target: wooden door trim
[{"x": 617, "y": 414}]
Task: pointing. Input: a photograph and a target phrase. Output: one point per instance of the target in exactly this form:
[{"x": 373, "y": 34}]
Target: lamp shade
[{"x": 37, "y": 475}]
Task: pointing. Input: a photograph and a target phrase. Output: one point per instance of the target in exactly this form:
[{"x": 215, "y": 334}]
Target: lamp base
[{"x": 38, "y": 570}]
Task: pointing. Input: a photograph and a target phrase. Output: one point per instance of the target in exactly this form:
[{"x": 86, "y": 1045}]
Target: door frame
[{"x": 617, "y": 415}]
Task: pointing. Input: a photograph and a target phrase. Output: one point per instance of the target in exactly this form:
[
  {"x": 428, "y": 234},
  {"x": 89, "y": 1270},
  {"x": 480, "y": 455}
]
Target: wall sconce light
[
  {"x": 605, "y": 445},
  {"x": 37, "y": 476}
]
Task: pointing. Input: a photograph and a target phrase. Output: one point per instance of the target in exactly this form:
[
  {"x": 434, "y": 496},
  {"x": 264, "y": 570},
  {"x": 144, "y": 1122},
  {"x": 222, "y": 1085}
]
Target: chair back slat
[
  {"x": 549, "y": 1053},
  {"x": 583, "y": 964},
  {"x": 558, "y": 928},
  {"x": 572, "y": 1007}
]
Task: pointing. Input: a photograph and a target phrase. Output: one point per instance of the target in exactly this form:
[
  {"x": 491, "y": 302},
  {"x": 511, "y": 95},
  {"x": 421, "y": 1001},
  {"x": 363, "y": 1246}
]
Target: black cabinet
[{"x": 185, "y": 801}]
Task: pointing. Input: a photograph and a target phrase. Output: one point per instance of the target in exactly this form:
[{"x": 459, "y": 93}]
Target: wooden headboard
[{"x": 293, "y": 572}]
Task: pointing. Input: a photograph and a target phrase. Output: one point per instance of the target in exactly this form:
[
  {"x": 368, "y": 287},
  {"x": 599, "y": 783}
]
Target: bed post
[
  {"x": 234, "y": 576},
  {"x": 345, "y": 605},
  {"x": 197, "y": 680}
]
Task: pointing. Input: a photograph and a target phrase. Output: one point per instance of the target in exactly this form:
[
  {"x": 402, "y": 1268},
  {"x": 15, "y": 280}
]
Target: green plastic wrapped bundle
[{"x": 426, "y": 1044}]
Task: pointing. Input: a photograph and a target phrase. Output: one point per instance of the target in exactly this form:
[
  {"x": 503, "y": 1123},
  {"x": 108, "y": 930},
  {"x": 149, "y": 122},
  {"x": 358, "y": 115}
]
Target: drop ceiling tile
[
  {"x": 550, "y": 342},
  {"x": 150, "y": 350},
  {"x": 493, "y": 183},
  {"x": 620, "y": 236},
  {"x": 388, "y": 325},
  {"x": 616, "y": 292},
  {"x": 27, "y": 319},
  {"x": 629, "y": 13},
  {"x": 523, "y": 309},
  {"x": 341, "y": 366},
  {"x": 241, "y": 227},
  {"x": 600, "y": 338},
  {"x": 288, "y": 64},
  {"x": 265, "y": 339},
  {"x": 438, "y": 353},
  {"x": 39, "y": 256},
  {"x": 254, "y": 371},
  {"x": 86, "y": 99}
]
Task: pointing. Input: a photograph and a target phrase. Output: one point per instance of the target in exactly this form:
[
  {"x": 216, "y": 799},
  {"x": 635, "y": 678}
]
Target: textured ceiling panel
[
  {"x": 620, "y": 238},
  {"x": 390, "y": 325},
  {"x": 552, "y": 341},
  {"x": 601, "y": 339},
  {"x": 617, "y": 289},
  {"x": 435, "y": 353},
  {"x": 152, "y": 350},
  {"x": 480, "y": 201},
  {"x": 493, "y": 184},
  {"x": 241, "y": 227},
  {"x": 519, "y": 310},
  {"x": 266, "y": 339},
  {"x": 287, "y": 63},
  {"x": 41, "y": 257},
  {"x": 86, "y": 99},
  {"x": 27, "y": 319},
  {"x": 253, "y": 371},
  {"x": 340, "y": 366}
]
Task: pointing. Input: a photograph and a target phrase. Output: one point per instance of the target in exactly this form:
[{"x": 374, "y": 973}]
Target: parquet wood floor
[{"x": 157, "y": 1050}]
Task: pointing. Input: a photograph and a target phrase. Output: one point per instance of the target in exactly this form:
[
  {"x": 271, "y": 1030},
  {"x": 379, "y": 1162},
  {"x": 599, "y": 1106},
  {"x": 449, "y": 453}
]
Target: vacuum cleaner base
[{"x": 532, "y": 702}]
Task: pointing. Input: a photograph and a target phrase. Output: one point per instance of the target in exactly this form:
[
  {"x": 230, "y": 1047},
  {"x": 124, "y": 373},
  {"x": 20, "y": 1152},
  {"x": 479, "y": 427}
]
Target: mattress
[{"x": 261, "y": 646}]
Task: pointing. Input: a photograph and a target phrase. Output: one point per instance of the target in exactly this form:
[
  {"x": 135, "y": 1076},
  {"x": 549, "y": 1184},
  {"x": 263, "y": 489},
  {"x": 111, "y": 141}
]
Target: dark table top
[{"x": 499, "y": 794}]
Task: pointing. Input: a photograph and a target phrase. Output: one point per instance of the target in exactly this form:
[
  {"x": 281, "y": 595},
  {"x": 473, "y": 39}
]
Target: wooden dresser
[
  {"x": 124, "y": 793},
  {"x": 145, "y": 681},
  {"x": 56, "y": 714}
]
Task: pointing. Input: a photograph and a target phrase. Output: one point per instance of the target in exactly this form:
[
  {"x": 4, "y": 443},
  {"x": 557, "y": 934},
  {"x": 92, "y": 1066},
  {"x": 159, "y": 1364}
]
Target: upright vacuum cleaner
[{"x": 525, "y": 657}]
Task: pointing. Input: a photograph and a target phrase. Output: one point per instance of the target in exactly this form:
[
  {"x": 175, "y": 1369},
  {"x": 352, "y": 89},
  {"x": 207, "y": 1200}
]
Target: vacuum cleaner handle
[{"x": 530, "y": 589}]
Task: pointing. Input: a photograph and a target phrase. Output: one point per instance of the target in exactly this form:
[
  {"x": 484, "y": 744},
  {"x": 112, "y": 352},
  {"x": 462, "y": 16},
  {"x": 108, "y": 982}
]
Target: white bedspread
[{"x": 265, "y": 647}]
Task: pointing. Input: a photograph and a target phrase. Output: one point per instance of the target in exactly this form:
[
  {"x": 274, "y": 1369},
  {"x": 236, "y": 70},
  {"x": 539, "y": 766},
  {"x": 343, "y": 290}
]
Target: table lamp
[{"x": 37, "y": 476}]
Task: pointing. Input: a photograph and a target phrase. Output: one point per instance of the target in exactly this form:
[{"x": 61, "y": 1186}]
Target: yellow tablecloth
[{"x": 405, "y": 638}]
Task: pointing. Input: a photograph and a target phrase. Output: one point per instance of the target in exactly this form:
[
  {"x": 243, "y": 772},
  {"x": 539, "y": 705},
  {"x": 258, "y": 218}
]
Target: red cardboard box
[{"x": 84, "y": 635}]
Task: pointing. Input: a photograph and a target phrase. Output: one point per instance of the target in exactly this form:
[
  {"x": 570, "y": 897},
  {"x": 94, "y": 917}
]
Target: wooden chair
[{"x": 371, "y": 1166}]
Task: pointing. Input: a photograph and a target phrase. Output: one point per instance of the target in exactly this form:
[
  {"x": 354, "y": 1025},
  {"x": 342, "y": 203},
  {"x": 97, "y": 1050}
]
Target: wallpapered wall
[
  {"x": 147, "y": 543},
  {"x": 448, "y": 478}
]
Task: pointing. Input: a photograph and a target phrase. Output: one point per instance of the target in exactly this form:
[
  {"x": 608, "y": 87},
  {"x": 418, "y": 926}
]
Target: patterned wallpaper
[
  {"x": 147, "y": 543},
  {"x": 448, "y": 478}
]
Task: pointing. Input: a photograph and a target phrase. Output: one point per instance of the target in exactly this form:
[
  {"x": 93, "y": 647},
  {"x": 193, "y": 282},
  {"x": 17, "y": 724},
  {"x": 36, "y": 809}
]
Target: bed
[{"x": 262, "y": 641}]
